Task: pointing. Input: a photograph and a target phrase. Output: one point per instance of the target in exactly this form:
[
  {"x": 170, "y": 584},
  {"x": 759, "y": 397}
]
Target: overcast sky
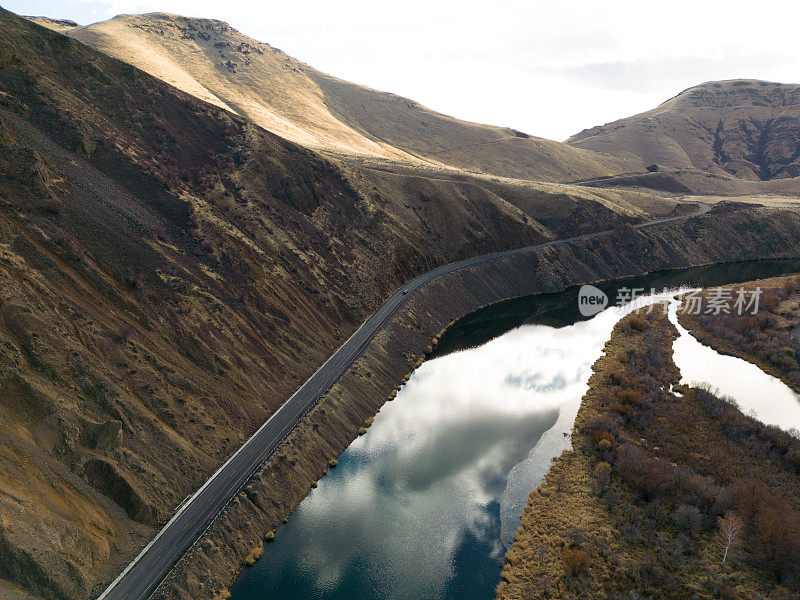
[{"x": 548, "y": 68}]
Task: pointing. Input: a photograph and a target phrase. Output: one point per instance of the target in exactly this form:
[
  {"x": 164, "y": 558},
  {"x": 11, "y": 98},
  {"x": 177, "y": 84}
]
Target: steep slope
[
  {"x": 169, "y": 273},
  {"x": 750, "y": 129},
  {"x": 59, "y": 25},
  {"x": 216, "y": 63}
]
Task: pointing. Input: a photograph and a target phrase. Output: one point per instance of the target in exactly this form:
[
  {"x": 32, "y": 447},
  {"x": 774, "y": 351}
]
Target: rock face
[{"x": 747, "y": 128}]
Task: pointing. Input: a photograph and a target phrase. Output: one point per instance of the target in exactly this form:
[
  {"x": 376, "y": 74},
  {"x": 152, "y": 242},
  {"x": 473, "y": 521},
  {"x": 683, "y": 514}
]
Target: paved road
[
  {"x": 143, "y": 576},
  {"x": 617, "y": 178}
]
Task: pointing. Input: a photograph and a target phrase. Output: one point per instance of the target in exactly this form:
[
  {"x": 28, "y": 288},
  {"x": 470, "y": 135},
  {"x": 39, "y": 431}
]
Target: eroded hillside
[{"x": 746, "y": 128}]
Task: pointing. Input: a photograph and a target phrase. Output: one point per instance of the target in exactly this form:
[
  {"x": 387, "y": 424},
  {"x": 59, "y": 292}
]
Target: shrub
[
  {"x": 603, "y": 474},
  {"x": 603, "y": 426},
  {"x": 629, "y": 396},
  {"x": 619, "y": 378},
  {"x": 770, "y": 301},
  {"x": 576, "y": 561},
  {"x": 169, "y": 295},
  {"x": 746, "y": 324},
  {"x": 651, "y": 477},
  {"x": 688, "y": 518},
  {"x": 53, "y": 206},
  {"x": 610, "y": 498},
  {"x": 729, "y": 593},
  {"x": 772, "y": 529},
  {"x": 68, "y": 244},
  {"x": 624, "y": 410},
  {"x": 631, "y": 533},
  {"x": 637, "y": 323},
  {"x": 135, "y": 279},
  {"x": 125, "y": 332}
]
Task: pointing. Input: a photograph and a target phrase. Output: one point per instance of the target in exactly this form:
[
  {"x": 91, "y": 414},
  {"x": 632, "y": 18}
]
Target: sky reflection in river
[
  {"x": 414, "y": 508},
  {"x": 757, "y": 393}
]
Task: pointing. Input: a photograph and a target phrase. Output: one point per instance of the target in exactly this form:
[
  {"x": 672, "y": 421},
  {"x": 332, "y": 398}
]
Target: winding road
[{"x": 142, "y": 577}]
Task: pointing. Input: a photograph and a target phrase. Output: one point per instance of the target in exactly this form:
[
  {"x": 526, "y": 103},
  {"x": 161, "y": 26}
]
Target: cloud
[
  {"x": 428, "y": 473},
  {"x": 657, "y": 73}
]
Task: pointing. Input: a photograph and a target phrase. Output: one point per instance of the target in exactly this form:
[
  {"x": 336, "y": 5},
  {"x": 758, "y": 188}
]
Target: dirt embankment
[{"x": 329, "y": 428}]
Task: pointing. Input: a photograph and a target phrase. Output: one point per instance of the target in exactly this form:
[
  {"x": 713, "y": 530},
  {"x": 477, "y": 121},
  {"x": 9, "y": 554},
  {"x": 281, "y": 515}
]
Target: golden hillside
[{"x": 216, "y": 63}]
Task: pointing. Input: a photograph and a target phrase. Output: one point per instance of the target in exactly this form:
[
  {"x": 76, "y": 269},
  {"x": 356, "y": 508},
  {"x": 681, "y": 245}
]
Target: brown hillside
[
  {"x": 60, "y": 25},
  {"x": 747, "y": 128},
  {"x": 169, "y": 274}
]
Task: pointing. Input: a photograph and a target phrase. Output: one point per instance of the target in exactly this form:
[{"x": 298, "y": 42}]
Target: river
[{"x": 425, "y": 503}]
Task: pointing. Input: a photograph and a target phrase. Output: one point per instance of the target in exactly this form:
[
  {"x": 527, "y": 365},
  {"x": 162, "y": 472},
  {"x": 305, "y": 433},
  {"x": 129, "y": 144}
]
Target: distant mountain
[
  {"x": 215, "y": 62},
  {"x": 747, "y": 128}
]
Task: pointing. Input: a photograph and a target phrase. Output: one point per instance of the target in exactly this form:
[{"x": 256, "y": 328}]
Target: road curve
[{"x": 142, "y": 577}]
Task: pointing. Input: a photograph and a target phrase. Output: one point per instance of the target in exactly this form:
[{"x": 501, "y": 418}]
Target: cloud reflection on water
[
  {"x": 424, "y": 485},
  {"x": 757, "y": 393}
]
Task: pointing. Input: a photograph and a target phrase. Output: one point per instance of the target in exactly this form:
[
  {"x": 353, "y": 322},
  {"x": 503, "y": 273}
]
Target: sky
[{"x": 550, "y": 68}]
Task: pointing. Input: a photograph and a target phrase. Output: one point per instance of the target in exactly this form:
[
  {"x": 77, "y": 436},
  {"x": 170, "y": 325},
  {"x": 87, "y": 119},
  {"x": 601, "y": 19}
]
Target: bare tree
[{"x": 729, "y": 533}]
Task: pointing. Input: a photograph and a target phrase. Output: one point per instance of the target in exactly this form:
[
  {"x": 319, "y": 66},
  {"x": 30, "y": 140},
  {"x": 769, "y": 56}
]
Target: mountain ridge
[
  {"x": 743, "y": 127},
  {"x": 213, "y": 61}
]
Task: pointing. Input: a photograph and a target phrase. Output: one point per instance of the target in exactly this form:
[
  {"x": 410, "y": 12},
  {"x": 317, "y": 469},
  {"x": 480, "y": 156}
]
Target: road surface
[{"x": 143, "y": 576}]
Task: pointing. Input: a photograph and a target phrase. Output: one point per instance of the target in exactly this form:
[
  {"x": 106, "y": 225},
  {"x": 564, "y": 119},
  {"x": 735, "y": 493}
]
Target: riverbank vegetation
[{"x": 669, "y": 492}]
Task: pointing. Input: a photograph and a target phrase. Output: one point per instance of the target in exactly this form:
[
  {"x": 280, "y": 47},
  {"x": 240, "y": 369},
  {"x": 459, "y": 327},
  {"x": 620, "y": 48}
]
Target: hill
[
  {"x": 169, "y": 274},
  {"x": 746, "y": 128},
  {"x": 218, "y": 64}
]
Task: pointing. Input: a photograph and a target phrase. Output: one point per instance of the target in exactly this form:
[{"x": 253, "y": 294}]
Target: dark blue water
[
  {"x": 412, "y": 509},
  {"x": 331, "y": 563}
]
